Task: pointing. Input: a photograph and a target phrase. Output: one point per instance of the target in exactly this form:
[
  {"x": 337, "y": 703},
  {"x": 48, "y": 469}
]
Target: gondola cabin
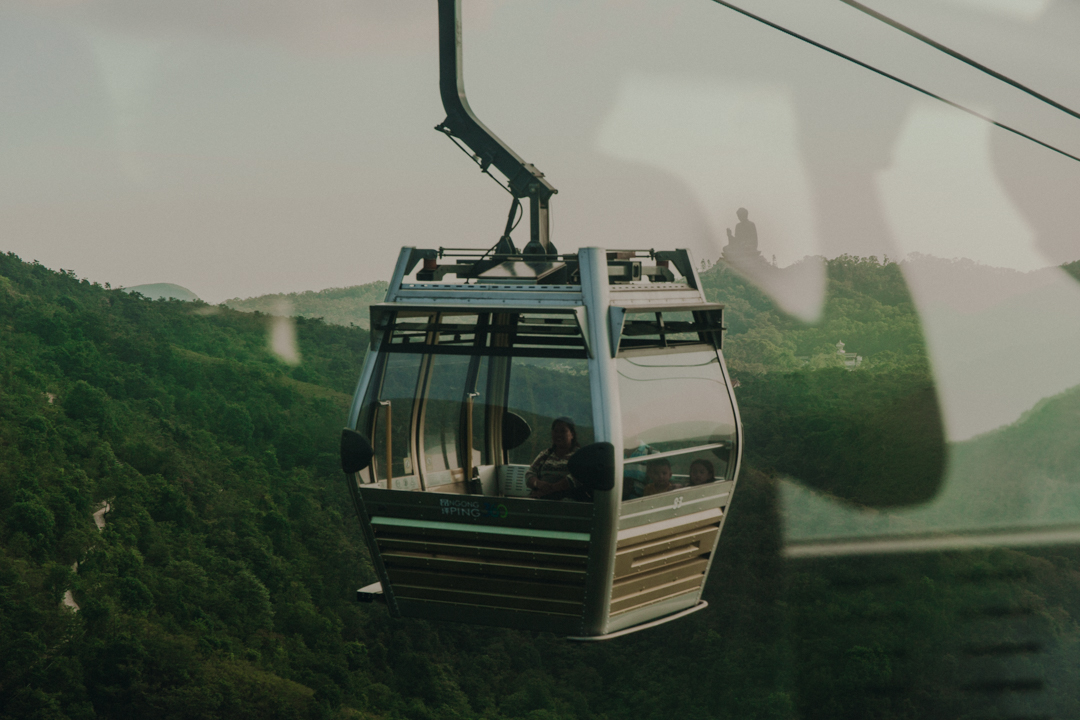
[
  {"x": 601, "y": 372},
  {"x": 474, "y": 359}
]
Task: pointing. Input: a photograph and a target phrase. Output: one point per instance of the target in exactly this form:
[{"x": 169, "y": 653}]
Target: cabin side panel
[
  {"x": 493, "y": 561},
  {"x": 664, "y": 549}
]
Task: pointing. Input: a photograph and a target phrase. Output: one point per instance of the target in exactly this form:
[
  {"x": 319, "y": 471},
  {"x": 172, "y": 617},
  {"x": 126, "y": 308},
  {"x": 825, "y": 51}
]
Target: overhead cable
[
  {"x": 962, "y": 58},
  {"x": 894, "y": 78}
]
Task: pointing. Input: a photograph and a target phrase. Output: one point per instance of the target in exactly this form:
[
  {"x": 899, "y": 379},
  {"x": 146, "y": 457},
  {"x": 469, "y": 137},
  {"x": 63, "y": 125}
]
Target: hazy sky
[{"x": 238, "y": 147}]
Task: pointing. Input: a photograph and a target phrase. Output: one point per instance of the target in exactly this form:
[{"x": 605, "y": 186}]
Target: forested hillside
[
  {"x": 868, "y": 307},
  {"x": 223, "y": 583},
  {"x": 873, "y": 437},
  {"x": 337, "y": 306}
]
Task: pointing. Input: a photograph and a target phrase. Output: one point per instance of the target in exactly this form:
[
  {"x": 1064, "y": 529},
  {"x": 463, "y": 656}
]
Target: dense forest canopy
[
  {"x": 223, "y": 582},
  {"x": 868, "y": 307}
]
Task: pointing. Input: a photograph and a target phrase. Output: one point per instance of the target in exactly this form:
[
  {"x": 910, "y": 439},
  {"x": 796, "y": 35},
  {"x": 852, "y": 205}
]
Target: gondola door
[{"x": 390, "y": 414}]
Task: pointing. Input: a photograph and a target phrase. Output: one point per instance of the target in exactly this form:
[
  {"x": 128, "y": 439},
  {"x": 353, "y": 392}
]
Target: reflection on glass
[
  {"x": 674, "y": 401},
  {"x": 398, "y": 386},
  {"x": 443, "y": 410},
  {"x": 678, "y": 422},
  {"x": 542, "y": 389}
]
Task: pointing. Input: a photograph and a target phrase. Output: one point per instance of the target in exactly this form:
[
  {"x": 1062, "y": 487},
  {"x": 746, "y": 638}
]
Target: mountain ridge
[{"x": 338, "y": 306}]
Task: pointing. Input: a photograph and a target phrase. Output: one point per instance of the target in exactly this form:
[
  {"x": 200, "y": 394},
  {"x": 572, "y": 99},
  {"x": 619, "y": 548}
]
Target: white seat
[{"x": 512, "y": 480}]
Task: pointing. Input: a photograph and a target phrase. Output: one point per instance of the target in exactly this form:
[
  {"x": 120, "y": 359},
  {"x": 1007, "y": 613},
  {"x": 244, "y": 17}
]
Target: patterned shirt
[{"x": 549, "y": 467}]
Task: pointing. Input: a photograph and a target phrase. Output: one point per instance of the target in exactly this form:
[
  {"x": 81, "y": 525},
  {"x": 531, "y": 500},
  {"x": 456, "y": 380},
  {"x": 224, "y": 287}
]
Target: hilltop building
[{"x": 851, "y": 360}]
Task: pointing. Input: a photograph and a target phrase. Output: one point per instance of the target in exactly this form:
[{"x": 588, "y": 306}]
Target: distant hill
[
  {"x": 1023, "y": 476},
  {"x": 162, "y": 291},
  {"x": 337, "y": 306},
  {"x": 1001, "y": 339}
]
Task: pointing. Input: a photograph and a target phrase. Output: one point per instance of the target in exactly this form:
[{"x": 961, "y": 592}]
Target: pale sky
[{"x": 238, "y": 148}]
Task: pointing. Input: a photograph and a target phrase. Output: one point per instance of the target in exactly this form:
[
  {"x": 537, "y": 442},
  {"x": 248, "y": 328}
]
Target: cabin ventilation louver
[
  {"x": 431, "y": 562},
  {"x": 638, "y": 330},
  {"x": 552, "y": 335},
  {"x": 662, "y": 560}
]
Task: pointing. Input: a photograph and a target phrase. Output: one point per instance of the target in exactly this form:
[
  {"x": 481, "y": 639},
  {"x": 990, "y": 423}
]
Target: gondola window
[{"x": 676, "y": 415}]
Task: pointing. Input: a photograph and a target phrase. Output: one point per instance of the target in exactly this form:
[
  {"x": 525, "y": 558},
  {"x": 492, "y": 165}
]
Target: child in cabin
[
  {"x": 658, "y": 476},
  {"x": 701, "y": 472},
  {"x": 634, "y": 477}
]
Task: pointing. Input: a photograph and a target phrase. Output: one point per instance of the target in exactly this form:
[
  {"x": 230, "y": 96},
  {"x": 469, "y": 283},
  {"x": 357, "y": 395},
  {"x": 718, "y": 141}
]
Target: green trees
[
  {"x": 338, "y": 306},
  {"x": 867, "y": 306},
  {"x": 195, "y": 434},
  {"x": 869, "y": 438},
  {"x": 872, "y": 436},
  {"x": 222, "y": 585}
]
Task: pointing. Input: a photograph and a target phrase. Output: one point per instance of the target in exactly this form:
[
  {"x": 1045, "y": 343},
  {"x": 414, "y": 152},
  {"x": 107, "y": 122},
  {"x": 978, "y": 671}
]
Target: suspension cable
[
  {"x": 956, "y": 55},
  {"x": 894, "y": 78}
]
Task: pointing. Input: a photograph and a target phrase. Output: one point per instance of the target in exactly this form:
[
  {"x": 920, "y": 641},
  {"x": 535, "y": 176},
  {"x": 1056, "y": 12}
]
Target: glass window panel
[
  {"x": 443, "y": 413},
  {"x": 400, "y": 373},
  {"x": 674, "y": 321},
  {"x": 648, "y": 331},
  {"x": 672, "y": 402},
  {"x": 642, "y": 477},
  {"x": 519, "y": 334},
  {"x": 481, "y": 410},
  {"x": 543, "y": 389}
]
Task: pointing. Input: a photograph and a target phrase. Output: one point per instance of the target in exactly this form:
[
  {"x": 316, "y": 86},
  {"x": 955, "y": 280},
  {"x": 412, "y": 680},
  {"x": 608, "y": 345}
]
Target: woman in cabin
[{"x": 548, "y": 477}]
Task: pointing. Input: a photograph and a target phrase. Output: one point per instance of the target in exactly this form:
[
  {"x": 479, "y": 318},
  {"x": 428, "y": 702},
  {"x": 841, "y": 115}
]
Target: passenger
[
  {"x": 634, "y": 473},
  {"x": 548, "y": 476},
  {"x": 701, "y": 472},
  {"x": 658, "y": 477}
]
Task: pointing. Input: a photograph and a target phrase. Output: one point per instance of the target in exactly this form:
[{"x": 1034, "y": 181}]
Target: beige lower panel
[
  {"x": 488, "y": 599},
  {"x": 656, "y": 578},
  {"x": 487, "y": 585},
  {"x": 656, "y": 594},
  {"x": 672, "y": 526},
  {"x": 648, "y": 613},
  {"x": 664, "y": 551}
]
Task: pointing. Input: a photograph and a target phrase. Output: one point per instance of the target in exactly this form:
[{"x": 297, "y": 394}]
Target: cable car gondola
[{"x": 474, "y": 357}]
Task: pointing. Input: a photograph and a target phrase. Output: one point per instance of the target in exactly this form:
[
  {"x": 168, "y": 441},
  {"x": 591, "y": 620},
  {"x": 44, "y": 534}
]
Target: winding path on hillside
[{"x": 99, "y": 520}]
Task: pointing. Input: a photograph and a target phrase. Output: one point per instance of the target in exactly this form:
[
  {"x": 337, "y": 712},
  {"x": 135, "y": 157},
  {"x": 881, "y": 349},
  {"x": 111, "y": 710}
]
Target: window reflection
[
  {"x": 678, "y": 421},
  {"x": 674, "y": 401},
  {"x": 442, "y": 387},
  {"x": 543, "y": 389},
  {"x": 647, "y": 474},
  {"x": 398, "y": 388},
  {"x": 442, "y": 417}
]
